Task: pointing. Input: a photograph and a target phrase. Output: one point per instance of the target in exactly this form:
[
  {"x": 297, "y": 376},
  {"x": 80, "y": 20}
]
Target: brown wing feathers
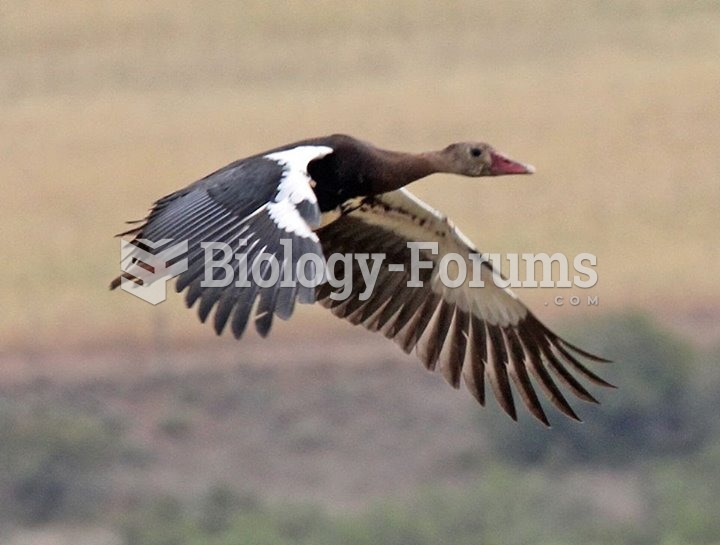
[{"x": 449, "y": 333}]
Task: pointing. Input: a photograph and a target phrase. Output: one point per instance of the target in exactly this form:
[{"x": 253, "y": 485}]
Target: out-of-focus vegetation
[
  {"x": 644, "y": 468},
  {"x": 661, "y": 410},
  {"x": 504, "y": 504},
  {"x": 54, "y": 464}
]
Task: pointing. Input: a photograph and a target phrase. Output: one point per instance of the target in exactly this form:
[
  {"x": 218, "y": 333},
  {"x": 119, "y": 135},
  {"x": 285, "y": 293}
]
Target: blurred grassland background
[
  {"x": 108, "y": 106},
  {"x": 123, "y": 423}
]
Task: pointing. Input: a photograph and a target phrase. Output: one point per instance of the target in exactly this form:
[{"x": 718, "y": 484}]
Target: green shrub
[
  {"x": 684, "y": 496},
  {"x": 52, "y": 463},
  {"x": 175, "y": 426},
  {"x": 220, "y": 506}
]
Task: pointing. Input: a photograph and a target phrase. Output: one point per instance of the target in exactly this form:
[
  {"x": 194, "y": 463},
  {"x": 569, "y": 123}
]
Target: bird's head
[{"x": 480, "y": 159}]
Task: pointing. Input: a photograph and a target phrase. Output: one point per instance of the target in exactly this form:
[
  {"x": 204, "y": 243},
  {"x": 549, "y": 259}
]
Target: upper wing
[
  {"x": 477, "y": 333},
  {"x": 251, "y": 205}
]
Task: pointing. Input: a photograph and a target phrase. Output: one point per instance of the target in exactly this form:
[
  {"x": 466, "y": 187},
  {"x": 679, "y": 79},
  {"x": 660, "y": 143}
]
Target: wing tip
[
  {"x": 568, "y": 411},
  {"x": 584, "y": 353},
  {"x": 544, "y": 420}
]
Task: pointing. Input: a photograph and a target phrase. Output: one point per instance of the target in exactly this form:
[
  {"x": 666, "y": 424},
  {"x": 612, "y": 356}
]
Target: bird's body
[{"x": 339, "y": 195}]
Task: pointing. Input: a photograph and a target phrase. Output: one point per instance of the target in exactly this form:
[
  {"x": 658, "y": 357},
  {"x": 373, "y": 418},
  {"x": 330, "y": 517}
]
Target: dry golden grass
[{"x": 106, "y": 106}]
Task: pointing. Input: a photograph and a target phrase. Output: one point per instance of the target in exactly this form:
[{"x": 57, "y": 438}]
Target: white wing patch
[
  {"x": 294, "y": 188},
  {"x": 286, "y": 217},
  {"x": 295, "y": 183}
]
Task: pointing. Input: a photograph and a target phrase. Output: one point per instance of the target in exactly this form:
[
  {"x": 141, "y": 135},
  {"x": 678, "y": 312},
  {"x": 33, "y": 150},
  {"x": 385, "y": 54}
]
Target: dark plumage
[{"x": 337, "y": 194}]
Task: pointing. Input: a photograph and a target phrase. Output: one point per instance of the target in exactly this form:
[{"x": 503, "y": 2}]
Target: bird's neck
[{"x": 397, "y": 169}]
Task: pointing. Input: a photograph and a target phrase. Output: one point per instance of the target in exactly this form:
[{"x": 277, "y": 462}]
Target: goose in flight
[{"x": 340, "y": 195}]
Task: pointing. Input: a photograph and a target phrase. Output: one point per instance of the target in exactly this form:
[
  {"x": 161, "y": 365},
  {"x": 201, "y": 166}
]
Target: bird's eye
[{"x": 476, "y": 152}]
